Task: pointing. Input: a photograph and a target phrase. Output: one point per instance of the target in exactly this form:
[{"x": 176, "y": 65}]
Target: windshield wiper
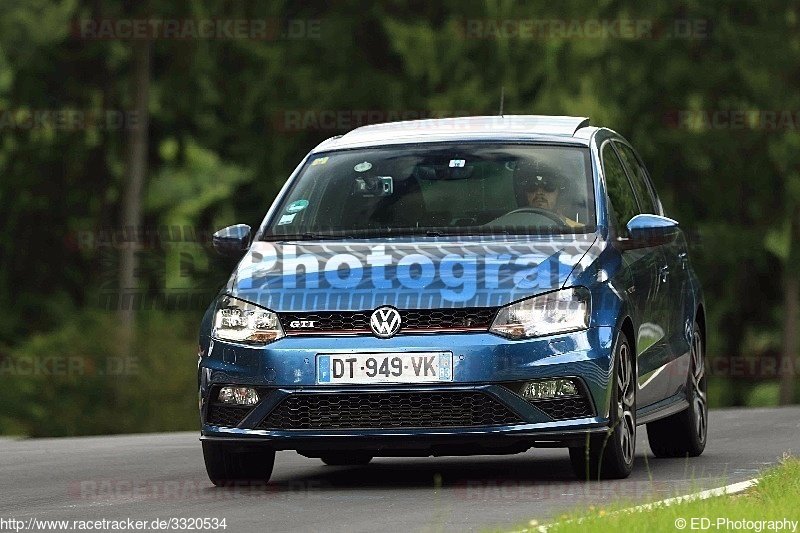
[
  {"x": 306, "y": 236},
  {"x": 386, "y": 233},
  {"x": 444, "y": 232}
]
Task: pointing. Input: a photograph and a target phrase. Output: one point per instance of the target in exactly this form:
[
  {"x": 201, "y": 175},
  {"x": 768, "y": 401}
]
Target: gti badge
[
  {"x": 298, "y": 324},
  {"x": 385, "y": 322}
]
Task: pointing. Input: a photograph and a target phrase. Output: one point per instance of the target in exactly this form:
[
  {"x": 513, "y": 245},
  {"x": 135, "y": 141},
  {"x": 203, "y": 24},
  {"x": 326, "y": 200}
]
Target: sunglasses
[{"x": 548, "y": 185}]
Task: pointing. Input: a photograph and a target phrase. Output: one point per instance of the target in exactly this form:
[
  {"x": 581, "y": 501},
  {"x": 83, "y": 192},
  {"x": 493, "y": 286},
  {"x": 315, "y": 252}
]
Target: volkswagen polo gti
[{"x": 477, "y": 285}]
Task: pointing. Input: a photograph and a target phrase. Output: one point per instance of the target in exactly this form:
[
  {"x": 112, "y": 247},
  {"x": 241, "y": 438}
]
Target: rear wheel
[
  {"x": 684, "y": 434},
  {"x": 346, "y": 459},
  {"x": 610, "y": 456},
  {"x": 225, "y": 464}
]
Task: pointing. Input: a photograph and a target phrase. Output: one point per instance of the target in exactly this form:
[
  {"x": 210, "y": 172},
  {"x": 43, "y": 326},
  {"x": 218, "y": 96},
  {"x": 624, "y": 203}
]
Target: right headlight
[
  {"x": 239, "y": 321},
  {"x": 545, "y": 314}
]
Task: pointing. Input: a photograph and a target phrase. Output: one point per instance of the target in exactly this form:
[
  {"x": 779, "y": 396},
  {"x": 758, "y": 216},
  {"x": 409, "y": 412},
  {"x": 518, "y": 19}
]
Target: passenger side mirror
[
  {"x": 232, "y": 242},
  {"x": 650, "y": 230}
]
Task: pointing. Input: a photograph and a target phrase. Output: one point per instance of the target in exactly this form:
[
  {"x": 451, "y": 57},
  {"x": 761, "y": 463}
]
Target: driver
[{"x": 537, "y": 185}]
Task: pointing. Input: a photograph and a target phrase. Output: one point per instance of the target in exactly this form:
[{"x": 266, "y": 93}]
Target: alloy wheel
[
  {"x": 698, "y": 384},
  {"x": 626, "y": 398}
]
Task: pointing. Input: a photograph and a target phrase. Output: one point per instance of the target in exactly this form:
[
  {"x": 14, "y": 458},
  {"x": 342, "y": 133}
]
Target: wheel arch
[
  {"x": 700, "y": 318},
  {"x": 625, "y": 325},
  {"x": 627, "y": 329}
]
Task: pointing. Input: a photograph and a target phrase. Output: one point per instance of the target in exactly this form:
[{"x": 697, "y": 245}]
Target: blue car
[{"x": 476, "y": 285}]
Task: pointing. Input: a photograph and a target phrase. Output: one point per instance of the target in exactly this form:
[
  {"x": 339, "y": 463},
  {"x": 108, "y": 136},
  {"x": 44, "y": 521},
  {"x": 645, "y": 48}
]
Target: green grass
[{"x": 776, "y": 497}]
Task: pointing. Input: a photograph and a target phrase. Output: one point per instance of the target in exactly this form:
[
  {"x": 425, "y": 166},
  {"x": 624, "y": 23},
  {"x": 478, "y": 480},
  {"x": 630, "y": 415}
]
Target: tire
[
  {"x": 610, "y": 456},
  {"x": 346, "y": 459},
  {"x": 684, "y": 434},
  {"x": 226, "y": 465}
]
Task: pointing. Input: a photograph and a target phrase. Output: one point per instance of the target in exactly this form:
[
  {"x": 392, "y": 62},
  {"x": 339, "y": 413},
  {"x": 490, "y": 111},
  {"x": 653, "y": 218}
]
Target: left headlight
[
  {"x": 239, "y": 321},
  {"x": 546, "y": 314}
]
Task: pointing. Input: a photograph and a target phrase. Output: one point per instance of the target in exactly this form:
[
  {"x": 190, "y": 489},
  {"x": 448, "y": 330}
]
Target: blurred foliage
[
  {"x": 219, "y": 154},
  {"x": 68, "y": 382}
]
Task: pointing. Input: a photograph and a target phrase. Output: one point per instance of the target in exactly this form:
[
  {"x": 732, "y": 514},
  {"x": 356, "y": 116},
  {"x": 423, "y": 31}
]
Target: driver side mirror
[
  {"x": 650, "y": 230},
  {"x": 232, "y": 242}
]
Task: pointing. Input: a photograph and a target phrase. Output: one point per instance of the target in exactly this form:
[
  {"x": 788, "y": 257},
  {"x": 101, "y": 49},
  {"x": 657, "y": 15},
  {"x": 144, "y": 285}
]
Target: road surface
[{"x": 161, "y": 476}]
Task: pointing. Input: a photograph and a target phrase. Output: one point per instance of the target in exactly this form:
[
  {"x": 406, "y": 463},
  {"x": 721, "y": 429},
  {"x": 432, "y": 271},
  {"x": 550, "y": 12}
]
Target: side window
[
  {"x": 638, "y": 179},
  {"x": 623, "y": 204}
]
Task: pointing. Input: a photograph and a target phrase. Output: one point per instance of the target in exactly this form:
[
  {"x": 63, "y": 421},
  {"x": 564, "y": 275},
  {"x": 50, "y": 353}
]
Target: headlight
[
  {"x": 546, "y": 314},
  {"x": 239, "y": 321}
]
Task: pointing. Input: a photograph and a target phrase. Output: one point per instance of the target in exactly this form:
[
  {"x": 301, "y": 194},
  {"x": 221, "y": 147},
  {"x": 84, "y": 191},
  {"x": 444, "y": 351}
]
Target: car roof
[{"x": 520, "y": 128}]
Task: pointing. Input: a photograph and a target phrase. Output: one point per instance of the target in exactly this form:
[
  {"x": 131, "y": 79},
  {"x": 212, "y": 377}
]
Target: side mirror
[
  {"x": 651, "y": 230},
  {"x": 233, "y": 241}
]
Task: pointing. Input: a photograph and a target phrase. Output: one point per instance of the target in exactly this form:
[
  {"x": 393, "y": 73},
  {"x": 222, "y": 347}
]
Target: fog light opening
[
  {"x": 238, "y": 395},
  {"x": 547, "y": 389}
]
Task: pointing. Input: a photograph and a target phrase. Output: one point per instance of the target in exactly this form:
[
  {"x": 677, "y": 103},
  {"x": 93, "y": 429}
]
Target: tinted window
[
  {"x": 623, "y": 204},
  {"x": 638, "y": 179},
  {"x": 478, "y": 188}
]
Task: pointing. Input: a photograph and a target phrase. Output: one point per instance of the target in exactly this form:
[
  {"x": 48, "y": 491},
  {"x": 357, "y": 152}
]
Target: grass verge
[{"x": 773, "y": 504}]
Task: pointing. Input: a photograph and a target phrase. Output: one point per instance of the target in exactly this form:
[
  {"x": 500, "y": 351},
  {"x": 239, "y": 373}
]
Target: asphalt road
[{"x": 161, "y": 476}]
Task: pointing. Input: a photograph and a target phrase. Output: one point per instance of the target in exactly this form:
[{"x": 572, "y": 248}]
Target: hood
[{"x": 432, "y": 273}]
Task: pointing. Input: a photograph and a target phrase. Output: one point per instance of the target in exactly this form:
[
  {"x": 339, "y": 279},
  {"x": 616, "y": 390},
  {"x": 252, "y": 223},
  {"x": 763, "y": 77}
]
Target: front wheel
[
  {"x": 684, "y": 434},
  {"x": 610, "y": 456},
  {"x": 226, "y": 465}
]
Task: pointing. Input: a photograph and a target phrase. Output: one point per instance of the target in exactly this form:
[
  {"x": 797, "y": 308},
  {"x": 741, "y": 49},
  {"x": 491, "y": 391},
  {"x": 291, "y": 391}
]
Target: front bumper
[{"x": 482, "y": 363}]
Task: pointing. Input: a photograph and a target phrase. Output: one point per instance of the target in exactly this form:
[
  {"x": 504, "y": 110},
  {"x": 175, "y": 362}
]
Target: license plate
[{"x": 420, "y": 367}]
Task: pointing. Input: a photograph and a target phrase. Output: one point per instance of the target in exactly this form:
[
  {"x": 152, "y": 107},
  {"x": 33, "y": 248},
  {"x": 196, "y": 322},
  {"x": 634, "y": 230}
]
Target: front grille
[
  {"x": 565, "y": 408},
  {"x": 226, "y": 415},
  {"x": 386, "y": 410},
  {"x": 411, "y": 319}
]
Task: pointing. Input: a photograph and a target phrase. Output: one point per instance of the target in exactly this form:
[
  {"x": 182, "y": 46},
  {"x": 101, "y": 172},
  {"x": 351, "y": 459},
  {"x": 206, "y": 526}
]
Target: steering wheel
[{"x": 558, "y": 219}]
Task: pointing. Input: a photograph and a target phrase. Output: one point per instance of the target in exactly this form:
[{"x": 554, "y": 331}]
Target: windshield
[{"x": 439, "y": 189}]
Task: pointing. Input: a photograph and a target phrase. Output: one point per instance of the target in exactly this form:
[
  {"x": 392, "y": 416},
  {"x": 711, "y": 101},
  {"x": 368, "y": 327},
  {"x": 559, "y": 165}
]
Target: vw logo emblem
[{"x": 385, "y": 322}]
